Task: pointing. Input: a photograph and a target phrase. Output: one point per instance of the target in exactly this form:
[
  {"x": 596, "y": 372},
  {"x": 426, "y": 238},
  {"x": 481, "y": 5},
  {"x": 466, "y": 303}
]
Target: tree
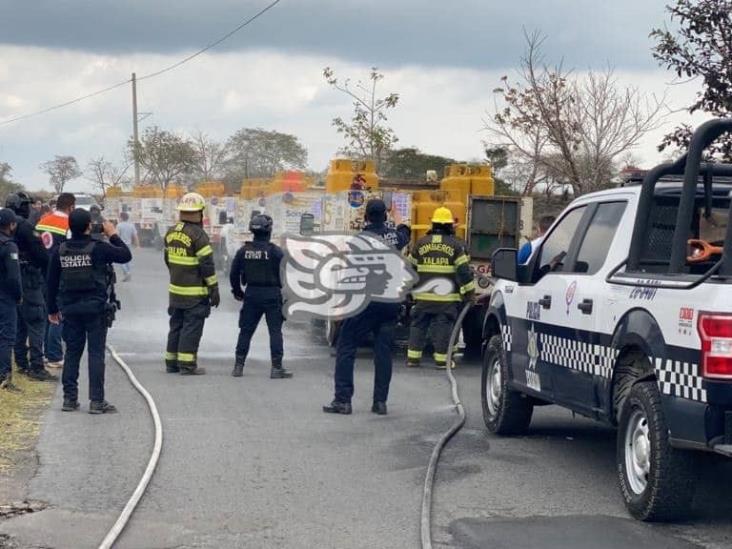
[
  {"x": 61, "y": 170},
  {"x": 570, "y": 129},
  {"x": 700, "y": 48},
  {"x": 103, "y": 174},
  {"x": 210, "y": 157},
  {"x": 410, "y": 163},
  {"x": 261, "y": 153},
  {"x": 7, "y": 185},
  {"x": 366, "y": 133},
  {"x": 165, "y": 156}
]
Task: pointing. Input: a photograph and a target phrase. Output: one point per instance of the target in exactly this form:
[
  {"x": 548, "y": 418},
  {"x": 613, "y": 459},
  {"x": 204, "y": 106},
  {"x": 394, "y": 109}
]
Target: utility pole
[{"x": 134, "y": 129}]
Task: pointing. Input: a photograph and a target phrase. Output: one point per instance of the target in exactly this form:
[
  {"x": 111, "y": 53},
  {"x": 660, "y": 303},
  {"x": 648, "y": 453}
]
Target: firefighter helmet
[
  {"x": 443, "y": 216},
  {"x": 192, "y": 202}
]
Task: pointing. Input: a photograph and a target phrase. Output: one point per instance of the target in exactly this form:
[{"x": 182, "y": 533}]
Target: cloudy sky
[{"x": 443, "y": 56}]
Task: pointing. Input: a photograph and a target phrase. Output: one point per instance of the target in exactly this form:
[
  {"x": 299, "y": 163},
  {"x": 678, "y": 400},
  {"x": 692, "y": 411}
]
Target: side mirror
[{"x": 504, "y": 264}]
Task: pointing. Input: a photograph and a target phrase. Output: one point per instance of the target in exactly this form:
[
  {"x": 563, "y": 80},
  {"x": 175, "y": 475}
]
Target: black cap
[
  {"x": 7, "y": 216},
  {"x": 79, "y": 220},
  {"x": 376, "y": 210}
]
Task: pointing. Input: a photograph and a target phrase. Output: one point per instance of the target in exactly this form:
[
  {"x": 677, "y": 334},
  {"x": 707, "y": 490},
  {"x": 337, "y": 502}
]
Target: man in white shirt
[{"x": 127, "y": 232}]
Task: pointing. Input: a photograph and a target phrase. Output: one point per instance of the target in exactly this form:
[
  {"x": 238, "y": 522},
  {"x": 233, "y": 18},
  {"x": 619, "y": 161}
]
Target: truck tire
[
  {"x": 505, "y": 411},
  {"x": 657, "y": 481}
]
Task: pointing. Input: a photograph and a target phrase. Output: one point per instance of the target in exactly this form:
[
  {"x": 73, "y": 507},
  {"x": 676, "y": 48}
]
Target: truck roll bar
[{"x": 690, "y": 166}]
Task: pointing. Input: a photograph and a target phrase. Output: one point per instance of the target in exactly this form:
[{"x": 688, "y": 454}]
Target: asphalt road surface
[{"x": 253, "y": 462}]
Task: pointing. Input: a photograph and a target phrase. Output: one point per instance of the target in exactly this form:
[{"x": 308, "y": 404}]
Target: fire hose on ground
[
  {"x": 129, "y": 508},
  {"x": 429, "y": 481}
]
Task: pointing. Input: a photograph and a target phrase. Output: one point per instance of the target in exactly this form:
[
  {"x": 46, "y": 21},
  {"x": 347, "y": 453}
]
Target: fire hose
[
  {"x": 129, "y": 508},
  {"x": 429, "y": 481}
]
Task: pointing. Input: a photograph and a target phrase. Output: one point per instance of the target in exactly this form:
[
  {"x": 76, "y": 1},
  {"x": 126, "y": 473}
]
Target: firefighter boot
[
  {"x": 238, "y": 370},
  {"x": 278, "y": 372}
]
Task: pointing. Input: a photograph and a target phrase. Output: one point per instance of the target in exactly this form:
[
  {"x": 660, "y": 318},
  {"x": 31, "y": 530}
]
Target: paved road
[{"x": 253, "y": 462}]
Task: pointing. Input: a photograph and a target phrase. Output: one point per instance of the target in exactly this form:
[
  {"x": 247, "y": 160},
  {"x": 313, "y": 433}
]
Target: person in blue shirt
[{"x": 528, "y": 249}]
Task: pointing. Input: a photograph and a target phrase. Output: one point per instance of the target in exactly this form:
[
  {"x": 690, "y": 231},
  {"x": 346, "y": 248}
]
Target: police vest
[
  {"x": 259, "y": 267},
  {"x": 79, "y": 275}
]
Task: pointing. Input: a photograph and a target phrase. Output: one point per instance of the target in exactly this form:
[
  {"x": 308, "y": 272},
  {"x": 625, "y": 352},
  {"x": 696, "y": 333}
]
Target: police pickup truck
[{"x": 624, "y": 314}]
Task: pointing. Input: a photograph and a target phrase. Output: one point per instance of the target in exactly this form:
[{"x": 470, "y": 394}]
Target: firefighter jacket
[
  {"x": 189, "y": 257},
  {"x": 443, "y": 268},
  {"x": 54, "y": 229}
]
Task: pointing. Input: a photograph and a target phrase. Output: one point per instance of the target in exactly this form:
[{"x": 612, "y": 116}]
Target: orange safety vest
[{"x": 53, "y": 228}]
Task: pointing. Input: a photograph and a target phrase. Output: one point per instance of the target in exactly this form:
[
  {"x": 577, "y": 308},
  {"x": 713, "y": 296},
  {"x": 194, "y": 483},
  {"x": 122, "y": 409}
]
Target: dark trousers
[
  {"x": 184, "y": 336},
  {"x": 79, "y": 330},
  {"x": 440, "y": 318},
  {"x": 251, "y": 313},
  {"x": 8, "y": 328},
  {"x": 30, "y": 336},
  {"x": 378, "y": 319}
]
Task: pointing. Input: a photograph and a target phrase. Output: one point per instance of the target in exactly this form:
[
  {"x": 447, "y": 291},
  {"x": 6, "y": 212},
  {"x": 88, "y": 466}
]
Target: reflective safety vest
[
  {"x": 53, "y": 228},
  {"x": 189, "y": 257},
  {"x": 443, "y": 267}
]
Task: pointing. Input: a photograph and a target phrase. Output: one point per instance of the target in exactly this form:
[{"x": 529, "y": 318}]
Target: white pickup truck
[{"x": 624, "y": 314}]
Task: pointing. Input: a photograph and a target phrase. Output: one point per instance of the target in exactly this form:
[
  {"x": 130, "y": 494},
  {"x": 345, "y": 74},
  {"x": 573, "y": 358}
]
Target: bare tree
[
  {"x": 103, "y": 174},
  {"x": 572, "y": 128},
  {"x": 61, "y": 170},
  {"x": 366, "y": 133},
  {"x": 210, "y": 157},
  {"x": 165, "y": 156}
]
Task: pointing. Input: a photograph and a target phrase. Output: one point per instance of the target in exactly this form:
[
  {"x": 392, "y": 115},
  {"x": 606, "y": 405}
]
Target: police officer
[
  {"x": 377, "y": 318},
  {"x": 32, "y": 311},
  {"x": 11, "y": 293},
  {"x": 445, "y": 280},
  {"x": 256, "y": 266},
  {"x": 193, "y": 286},
  {"x": 77, "y": 291}
]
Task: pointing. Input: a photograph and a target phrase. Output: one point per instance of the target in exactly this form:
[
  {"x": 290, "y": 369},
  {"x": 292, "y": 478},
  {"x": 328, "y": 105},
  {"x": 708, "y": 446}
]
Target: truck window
[
  {"x": 556, "y": 246},
  {"x": 599, "y": 236}
]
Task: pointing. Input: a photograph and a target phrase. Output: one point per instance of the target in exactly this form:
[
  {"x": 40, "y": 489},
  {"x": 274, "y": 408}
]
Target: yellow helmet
[
  {"x": 192, "y": 202},
  {"x": 443, "y": 215}
]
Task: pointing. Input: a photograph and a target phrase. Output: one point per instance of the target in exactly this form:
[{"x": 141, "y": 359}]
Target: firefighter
[
  {"x": 78, "y": 292},
  {"x": 32, "y": 311},
  {"x": 378, "y": 319},
  {"x": 54, "y": 230},
  {"x": 11, "y": 294},
  {"x": 445, "y": 280},
  {"x": 193, "y": 288},
  {"x": 256, "y": 266}
]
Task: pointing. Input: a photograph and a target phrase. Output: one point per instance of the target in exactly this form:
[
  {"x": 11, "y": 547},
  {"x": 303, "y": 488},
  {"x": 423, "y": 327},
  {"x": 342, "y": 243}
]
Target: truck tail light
[{"x": 715, "y": 331}]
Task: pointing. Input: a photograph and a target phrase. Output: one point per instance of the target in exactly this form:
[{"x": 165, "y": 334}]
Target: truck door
[{"x": 535, "y": 331}]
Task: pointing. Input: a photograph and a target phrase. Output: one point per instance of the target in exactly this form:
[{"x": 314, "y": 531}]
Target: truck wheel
[
  {"x": 473, "y": 332},
  {"x": 656, "y": 480},
  {"x": 505, "y": 411}
]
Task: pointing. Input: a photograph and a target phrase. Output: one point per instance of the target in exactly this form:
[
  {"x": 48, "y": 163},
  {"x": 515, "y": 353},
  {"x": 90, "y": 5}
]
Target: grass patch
[{"x": 20, "y": 417}]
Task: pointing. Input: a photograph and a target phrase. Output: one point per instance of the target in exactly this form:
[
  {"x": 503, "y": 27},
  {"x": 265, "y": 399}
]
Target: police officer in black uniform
[
  {"x": 256, "y": 266},
  {"x": 11, "y": 293},
  {"x": 377, "y": 318},
  {"x": 77, "y": 289},
  {"x": 32, "y": 311}
]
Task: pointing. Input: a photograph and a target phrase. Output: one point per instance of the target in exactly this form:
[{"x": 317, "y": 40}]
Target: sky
[{"x": 444, "y": 58}]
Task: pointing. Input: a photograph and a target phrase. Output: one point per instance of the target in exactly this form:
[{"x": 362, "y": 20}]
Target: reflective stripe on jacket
[
  {"x": 443, "y": 267},
  {"x": 189, "y": 257}
]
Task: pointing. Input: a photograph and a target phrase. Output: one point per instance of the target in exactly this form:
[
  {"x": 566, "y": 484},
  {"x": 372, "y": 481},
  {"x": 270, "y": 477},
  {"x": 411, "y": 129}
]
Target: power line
[{"x": 146, "y": 76}]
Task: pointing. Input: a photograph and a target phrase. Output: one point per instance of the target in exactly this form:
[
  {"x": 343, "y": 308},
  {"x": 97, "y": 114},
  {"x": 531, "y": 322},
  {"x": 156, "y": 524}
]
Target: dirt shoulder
[{"x": 20, "y": 421}]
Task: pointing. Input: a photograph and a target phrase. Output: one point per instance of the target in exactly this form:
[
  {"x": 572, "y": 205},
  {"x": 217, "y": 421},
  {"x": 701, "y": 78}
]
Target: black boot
[
  {"x": 278, "y": 372},
  {"x": 101, "y": 407},
  {"x": 238, "y": 370},
  {"x": 379, "y": 408},
  {"x": 337, "y": 407},
  {"x": 197, "y": 371},
  {"x": 70, "y": 405},
  {"x": 40, "y": 374}
]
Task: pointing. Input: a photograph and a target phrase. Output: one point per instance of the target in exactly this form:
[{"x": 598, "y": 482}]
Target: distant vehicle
[
  {"x": 624, "y": 314},
  {"x": 85, "y": 201}
]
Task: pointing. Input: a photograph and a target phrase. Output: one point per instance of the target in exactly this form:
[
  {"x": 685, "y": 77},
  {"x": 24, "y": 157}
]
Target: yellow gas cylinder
[
  {"x": 481, "y": 180},
  {"x": 114, "y": 192},
  {"x": 458, "y": 210},
  {"x": 174, "y": 191},
  {"x": 345, "y": 175},
  {"x": 457, "y": 181},
  {"x": 211, "y": 188}
]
